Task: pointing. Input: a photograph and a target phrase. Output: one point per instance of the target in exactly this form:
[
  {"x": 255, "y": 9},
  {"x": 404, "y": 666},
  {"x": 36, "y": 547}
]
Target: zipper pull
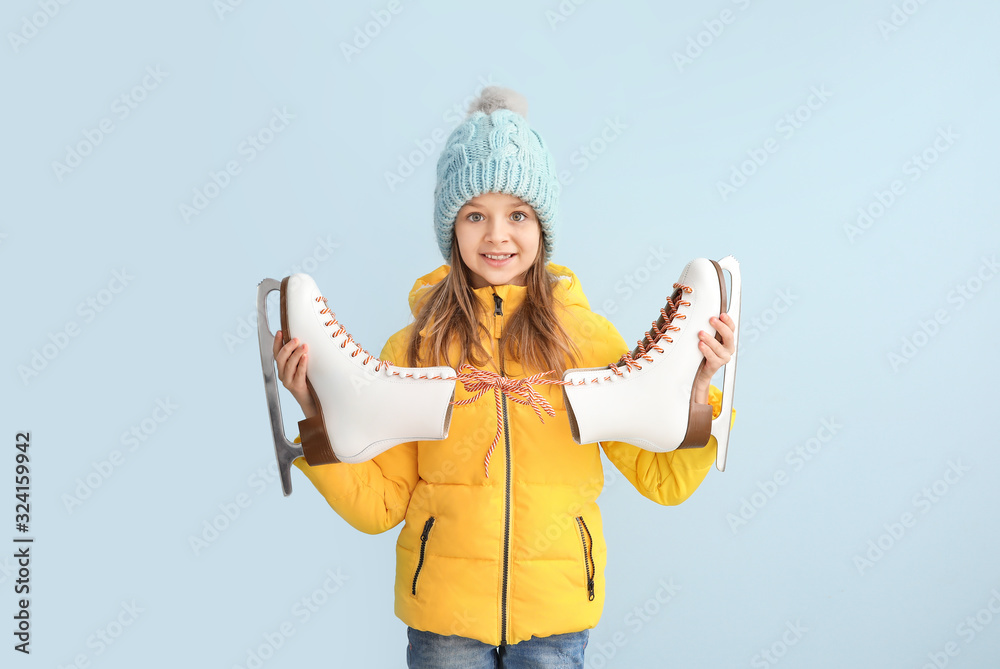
[
  {"x": 498, "y": 301},
  {"x": 590, "y": 588},
  {"x": 427, "y": 528}
]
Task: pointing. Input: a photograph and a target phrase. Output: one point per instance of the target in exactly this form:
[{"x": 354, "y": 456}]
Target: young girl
[{"x": 501, "y": 558}]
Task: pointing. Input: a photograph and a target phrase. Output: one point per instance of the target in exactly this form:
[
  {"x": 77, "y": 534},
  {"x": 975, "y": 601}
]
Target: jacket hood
[{"x": 567, "y": 291}]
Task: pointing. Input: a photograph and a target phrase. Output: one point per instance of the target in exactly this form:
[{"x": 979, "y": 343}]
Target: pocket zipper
[
  {"x": 588, "y": 556},
  {"x": 423, "y": 545}
]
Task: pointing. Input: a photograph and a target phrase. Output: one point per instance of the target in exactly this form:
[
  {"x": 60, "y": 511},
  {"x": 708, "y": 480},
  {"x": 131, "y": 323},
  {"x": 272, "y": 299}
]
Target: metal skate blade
[
  {"x": 285, "y": 451},
  {"x": 721, "y": 425}
]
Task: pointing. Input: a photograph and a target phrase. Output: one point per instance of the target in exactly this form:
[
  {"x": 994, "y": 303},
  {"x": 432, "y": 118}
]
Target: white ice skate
[
  {"x": 645, "y": 399},
  {"x": 366, "y": 405}
]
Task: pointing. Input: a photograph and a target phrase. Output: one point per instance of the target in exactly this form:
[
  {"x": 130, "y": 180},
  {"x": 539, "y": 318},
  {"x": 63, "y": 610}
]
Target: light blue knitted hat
[{"x": 495, "y": 151}]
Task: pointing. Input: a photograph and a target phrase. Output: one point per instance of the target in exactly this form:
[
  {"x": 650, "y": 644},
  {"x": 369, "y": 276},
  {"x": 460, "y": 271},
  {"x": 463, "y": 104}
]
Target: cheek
[
  {"x": 531, "y": 240},
  {"x": 464, "y": 239}
]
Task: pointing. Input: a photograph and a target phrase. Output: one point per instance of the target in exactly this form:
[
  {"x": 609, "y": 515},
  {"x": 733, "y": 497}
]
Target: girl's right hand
[{"x": 291, "y": 360}]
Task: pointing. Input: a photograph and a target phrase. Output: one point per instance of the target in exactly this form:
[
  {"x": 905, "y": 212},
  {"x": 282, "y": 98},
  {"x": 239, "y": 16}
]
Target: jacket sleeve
[
  {"x": 667, "y": 478},
  {"x": 372, "y": 496}
]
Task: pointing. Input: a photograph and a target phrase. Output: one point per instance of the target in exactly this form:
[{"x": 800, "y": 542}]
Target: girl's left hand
[{"x": 716, "y": 353}]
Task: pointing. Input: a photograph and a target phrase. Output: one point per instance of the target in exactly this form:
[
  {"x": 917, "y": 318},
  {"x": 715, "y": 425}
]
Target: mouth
[{"x": 497, "y": 259}]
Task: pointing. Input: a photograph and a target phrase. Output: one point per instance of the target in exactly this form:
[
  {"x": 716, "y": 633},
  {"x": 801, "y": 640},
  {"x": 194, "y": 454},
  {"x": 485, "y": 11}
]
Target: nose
[{"x": 497, "y": 230}]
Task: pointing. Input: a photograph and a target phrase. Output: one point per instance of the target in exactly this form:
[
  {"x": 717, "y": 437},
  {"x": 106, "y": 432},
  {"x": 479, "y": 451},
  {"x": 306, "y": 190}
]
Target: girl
[{"x": 501, "y": 558}]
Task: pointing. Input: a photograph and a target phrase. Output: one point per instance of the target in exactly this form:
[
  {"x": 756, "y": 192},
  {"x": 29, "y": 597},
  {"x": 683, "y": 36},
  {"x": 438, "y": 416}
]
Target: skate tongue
[{"x": 661, "y": 325}]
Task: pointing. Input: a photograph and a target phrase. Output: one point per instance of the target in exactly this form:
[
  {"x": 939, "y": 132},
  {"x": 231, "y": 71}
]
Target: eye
[
  {"x": 523, "y": 216},
  {"x": 472, "y": 217}
]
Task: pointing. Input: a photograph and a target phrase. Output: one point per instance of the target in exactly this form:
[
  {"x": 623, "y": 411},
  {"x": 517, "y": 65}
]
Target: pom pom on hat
[
  {"x": 494, "y": 150},
  {"x": 493, "y": 98}
]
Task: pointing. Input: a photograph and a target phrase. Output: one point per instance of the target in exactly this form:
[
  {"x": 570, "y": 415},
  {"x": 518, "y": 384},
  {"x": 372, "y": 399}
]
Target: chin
[{"x": 497, "y": 277}]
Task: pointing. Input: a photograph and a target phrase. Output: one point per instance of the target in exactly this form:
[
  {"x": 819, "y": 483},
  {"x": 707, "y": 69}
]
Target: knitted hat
[{"x": 495, "y": 151}]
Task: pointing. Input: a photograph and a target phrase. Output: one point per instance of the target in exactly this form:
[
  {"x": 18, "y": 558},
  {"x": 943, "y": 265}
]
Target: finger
[
  {"x": 294, "y": 358},
  {"x": 299, "y": 377},
  {"x": 283, "y": 355},
  {"x": 709, "y": 348},
  {"x": 714, "y": 351},
  {"x": 277, "y": 344},
  {"x": 725, "y": 330},
  {"x": 712, "y": 362}
]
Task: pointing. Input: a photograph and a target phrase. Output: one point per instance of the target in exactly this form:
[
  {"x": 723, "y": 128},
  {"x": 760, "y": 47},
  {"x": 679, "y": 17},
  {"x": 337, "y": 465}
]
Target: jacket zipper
[
  {"x": 498, "y": 311},
  {"x": 423, "y": 545},
  {"x": 506, "y": 526},
  {"x": 588, "y": 556}
]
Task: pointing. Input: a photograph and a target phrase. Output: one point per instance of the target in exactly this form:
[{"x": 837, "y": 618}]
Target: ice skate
[
  {"x": 366, "y": 405},
  {"x": 646, "y": 398}
]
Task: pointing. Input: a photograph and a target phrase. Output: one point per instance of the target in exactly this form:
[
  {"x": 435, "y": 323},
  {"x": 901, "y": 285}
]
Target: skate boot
[
  {"x": 646, "y": 398},
  {"x": 366, "y": 405}
]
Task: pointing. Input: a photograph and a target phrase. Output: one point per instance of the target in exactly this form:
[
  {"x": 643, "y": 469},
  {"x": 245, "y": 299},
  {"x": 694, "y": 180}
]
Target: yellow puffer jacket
[{"x": 519, "y": 553}]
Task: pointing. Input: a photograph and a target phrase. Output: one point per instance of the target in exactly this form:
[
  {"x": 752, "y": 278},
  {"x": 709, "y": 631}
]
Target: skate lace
[
  {"x": 478, "y": 381},
  {"x": 653, "y": 337},
  {"x": 358, "y": 349}
]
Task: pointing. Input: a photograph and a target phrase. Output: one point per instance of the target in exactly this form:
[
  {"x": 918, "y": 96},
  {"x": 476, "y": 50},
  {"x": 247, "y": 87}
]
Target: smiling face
[{"x": 498, "y": 236}]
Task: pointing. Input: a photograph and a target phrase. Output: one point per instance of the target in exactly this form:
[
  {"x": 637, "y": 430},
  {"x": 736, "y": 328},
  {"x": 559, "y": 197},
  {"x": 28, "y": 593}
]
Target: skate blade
[
  {"x": 285, "y": 451},
  {"x": 721, "y": 425}
]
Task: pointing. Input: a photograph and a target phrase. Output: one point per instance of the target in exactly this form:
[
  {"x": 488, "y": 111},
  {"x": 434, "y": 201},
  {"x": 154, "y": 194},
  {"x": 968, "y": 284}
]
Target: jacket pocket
[
  {"x": 588, "y": 555},
  {"x": 423, "y": 547}
]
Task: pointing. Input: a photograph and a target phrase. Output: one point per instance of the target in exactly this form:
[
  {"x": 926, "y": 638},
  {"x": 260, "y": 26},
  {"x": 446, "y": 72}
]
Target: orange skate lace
[
  {"x": 379, "y": 364},
  {"x": 478, "y": 381},
  {"x": 669, "y": 313}
]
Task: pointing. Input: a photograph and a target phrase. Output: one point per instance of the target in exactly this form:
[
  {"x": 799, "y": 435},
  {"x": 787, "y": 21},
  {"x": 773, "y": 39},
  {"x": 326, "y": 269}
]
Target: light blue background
[{"x": 830, "y": 309}]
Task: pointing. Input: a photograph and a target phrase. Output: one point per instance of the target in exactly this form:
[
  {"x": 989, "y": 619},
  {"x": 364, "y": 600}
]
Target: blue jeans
[{"x": 433, "y": 651}]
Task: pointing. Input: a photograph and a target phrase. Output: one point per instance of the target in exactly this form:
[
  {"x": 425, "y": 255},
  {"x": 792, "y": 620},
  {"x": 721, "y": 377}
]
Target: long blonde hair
[{"x": 532, "y": 336}]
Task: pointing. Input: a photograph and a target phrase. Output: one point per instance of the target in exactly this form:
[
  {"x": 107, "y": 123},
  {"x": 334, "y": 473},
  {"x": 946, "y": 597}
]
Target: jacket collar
[{"x": 568, "y": 291}]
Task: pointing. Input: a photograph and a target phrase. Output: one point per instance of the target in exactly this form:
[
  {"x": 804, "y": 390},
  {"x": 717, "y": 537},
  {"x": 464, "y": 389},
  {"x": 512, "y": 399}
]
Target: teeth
[{"x": 497, "y": 257}]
